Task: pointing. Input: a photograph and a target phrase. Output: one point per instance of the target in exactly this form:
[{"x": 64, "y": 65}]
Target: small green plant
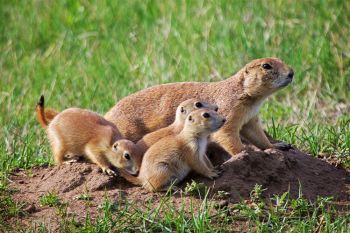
[
  {"x": 84, "y": 197},
  {"x": 62, "y": 209},
  {"x": 256, "y": 193},
  {"x": 222, "y": 194},
  {"x": 50, "y": 199},
  {"x": 195, "y": 189}
]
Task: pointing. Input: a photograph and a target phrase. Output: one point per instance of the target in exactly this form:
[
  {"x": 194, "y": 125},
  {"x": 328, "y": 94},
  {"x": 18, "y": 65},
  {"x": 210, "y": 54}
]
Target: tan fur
[
  {"x": 122, "y": 148},
  {"x": 170, "y": 159},
  {"x": 79, "y": 132},
  {"x": 238, "y": 98},
  {"x": 182, "y": 111}
]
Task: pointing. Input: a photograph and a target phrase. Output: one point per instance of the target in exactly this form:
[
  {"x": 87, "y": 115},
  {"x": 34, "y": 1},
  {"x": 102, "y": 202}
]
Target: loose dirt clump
[{"x": 277, "y": 171}]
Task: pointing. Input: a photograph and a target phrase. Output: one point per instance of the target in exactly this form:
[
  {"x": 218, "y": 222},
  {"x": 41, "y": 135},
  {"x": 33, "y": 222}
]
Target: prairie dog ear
[
  {"x": 190, "y": 118},
  {"x": 182, "y": 110},
  {"x": 115, "y": 146}
]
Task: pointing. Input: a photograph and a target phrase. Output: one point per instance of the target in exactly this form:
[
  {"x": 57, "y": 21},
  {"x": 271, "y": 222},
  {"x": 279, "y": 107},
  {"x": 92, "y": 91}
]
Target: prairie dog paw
[
  {"x": 282, "y": 146},
  {"x": 218, "y": 169},
  {"x": 214, "y": 174},
  {"x": 109, "y": 172},
  {"x": 71, "y": 161}
]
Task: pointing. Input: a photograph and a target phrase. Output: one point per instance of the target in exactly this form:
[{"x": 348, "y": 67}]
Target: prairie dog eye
[
  {"x": 198, "y": 104},
  {"x": 267, "y": 66},
  {"x": 206, "y": 115},
  {"x": 216, "y": 109},
  {"x": 127, "y": 156}
]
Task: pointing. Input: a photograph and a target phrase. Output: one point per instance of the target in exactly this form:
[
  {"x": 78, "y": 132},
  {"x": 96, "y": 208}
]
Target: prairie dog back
[{"x": 76, "y": 127}]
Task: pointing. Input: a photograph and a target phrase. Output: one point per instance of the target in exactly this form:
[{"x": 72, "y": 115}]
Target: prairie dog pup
[
  {"x": 128, "y": 156},
  {"x": 170, "y": 159},
  {"x": 77, "y": 131},
  {"x": 182, "y": 111},
  {"x": 238, "y": 98}
]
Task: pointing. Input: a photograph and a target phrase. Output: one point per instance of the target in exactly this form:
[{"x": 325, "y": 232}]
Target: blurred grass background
[{"x": 90, "y": 54}]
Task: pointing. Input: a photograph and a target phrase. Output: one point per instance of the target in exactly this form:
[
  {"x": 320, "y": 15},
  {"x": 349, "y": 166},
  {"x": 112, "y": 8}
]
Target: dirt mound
[{"x": 277, "y": 171}]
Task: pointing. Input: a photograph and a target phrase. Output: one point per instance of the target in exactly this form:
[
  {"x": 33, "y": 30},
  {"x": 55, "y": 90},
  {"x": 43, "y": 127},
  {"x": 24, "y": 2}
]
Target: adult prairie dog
[
  {"x": 182, "y": 111},
  {"x": 170, "y": 159},
  {"x": 77, "y": 132},
  {"x": 238, "y": 98}
]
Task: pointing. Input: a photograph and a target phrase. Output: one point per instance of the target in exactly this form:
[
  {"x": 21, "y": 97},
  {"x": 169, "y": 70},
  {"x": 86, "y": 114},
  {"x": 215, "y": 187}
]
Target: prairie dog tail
[
  {"x": 130, "y": 178},
  {"x": 40, "y": 112},
  {"x": 44, "y": 117}
]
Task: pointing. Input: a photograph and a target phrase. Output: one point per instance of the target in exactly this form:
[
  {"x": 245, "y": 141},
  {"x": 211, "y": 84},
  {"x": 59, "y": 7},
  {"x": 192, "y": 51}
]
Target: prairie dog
[
  {"x": 238, "y": 98},
  {"x": 79, "y": 132},
  {"x": 170, "y": 159},
  {"x": 182, "y": 111}
]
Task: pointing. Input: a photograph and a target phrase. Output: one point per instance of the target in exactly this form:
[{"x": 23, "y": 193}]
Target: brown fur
[
  {"x": 77, "y": 132},
  {"x": 50, "y": 114},
  {"x": 182, "y": 111},
  {"x": 238, "y": 98},
  {"x": 170, "y": 159}
]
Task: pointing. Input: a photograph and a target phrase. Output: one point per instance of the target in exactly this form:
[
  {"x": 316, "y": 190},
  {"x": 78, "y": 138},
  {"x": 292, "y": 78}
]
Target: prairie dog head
[
  {"x": 125, "y": 156},
  {"x": 264, "y": 76},
  {"x": 203, "y": 122},
  {"x": 190, "y": 105}
]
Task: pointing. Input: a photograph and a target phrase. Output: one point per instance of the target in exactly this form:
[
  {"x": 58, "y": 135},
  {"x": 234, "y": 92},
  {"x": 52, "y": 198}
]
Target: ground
[{"x": 83, "y": 188}]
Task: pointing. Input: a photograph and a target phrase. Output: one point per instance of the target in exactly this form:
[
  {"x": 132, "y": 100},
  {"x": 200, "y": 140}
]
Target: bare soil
[{"x": 277, "y": 171}]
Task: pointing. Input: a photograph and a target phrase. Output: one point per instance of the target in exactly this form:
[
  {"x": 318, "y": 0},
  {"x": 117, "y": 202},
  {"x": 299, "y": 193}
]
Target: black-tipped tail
[
  {"x": 41, "y": 101},
  {"x": 40, "y": 112}
]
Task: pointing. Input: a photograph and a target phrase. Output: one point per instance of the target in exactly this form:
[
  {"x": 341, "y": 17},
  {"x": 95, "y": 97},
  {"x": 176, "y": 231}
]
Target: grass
[
  {"x": 50, "y": 199},
  {"x": 280, "y": 214},
  {"x": 92, "y": 53}
]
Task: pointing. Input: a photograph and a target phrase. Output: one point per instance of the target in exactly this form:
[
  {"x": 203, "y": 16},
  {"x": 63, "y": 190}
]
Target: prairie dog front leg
[
  {"x": 228, "y": 137},
  {"x": 255, "y": 134},
  {"x": 97, "y": 157},
  {"x": 199, "y": 165}
]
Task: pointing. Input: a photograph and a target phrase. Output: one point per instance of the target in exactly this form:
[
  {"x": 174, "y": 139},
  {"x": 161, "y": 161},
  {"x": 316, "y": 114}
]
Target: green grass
[
  {"x": 280, "y": 214},
  {"x": 50, "y": 199},
  {"x": 92, "y": 53},
  {"x": 8, "y": 207}
]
